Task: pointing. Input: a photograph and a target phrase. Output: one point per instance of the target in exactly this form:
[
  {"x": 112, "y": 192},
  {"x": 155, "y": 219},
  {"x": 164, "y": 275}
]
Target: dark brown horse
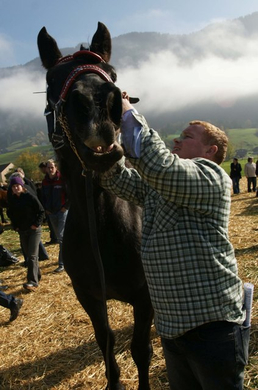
[{"x": 87, "y": 107}]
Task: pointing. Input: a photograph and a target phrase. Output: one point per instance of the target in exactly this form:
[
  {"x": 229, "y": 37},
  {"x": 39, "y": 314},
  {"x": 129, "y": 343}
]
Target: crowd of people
[
  {"x": 28, "y": 206},
  {"x": 250, "y": 172}
]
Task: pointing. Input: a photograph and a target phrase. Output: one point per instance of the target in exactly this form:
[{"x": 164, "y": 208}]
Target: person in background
[
  {"x": 55, "y": 202},
  {"x": 256, "y": 172},
  {"x": 53, "y": 239},
  {"x": 27, "y": 181},
  {"x": 6, "y": 257},
  {"x": 3, "y": 199},
  {"x": 250, "y": 173},
  {"x": 8, "y": 300},
  {"x": 3, "y": 219},
  {"x": 235, "y": 175},
  {"x": 189, "y": 262},
  {"x": 11, "y": 303},
  {"x": 43, "y": 167},
  {"x": 29, "y": 186},
  {"x": 26, "y": 214},
  {"x": 3, "y": 186}
]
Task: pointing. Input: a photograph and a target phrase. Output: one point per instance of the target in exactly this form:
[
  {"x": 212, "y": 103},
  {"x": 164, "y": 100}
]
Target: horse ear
[
  {"x": 48, "y": 49},
  {"x": 101, "y": 42}
]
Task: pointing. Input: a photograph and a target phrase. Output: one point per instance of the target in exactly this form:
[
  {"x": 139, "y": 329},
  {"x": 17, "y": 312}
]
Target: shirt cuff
[{"x": 131, "y": 134}]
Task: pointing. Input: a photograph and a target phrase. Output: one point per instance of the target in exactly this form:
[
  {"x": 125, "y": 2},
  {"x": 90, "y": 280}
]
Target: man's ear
[{"x": 211, "y": 151}]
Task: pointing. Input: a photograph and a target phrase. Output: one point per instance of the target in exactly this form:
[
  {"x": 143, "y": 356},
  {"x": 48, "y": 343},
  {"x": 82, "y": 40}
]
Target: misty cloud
[
  {"x": 228, "y": 39},
  {"x": 18, "y": 98},
  {"x": 163, "y": 83},
  {"x": 219, "y": 65}
]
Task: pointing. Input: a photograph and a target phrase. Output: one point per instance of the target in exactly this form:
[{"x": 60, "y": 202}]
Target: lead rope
[
  {"x": 93, "y": 234},
  {"x": 96, "y": 252},
  {"x": 65, "y": 128}
]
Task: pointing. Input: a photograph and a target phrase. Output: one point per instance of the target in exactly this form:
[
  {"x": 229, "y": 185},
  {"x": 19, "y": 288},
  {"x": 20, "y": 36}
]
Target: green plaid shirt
[{"x": 188, "y": 259}]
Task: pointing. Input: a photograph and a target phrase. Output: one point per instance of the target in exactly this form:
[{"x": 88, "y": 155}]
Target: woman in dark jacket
[
  {"x": 235, "y": 175},
  {"x": 26, "y": 214}
]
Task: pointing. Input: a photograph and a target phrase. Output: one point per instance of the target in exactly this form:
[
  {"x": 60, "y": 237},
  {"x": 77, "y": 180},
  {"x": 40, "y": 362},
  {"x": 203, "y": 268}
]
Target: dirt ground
[{"x": 51, "y": 345}]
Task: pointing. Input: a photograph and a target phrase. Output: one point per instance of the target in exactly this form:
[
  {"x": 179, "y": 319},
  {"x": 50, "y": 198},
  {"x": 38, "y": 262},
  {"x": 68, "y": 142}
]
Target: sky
[{"x": 74, "y": 22}]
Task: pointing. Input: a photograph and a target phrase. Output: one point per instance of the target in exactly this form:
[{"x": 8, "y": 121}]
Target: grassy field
[
  {"x": 10, "y": 157},
  {"x": 240, "y": 138},
  {"x": 48, "y": 152},
  {"x": 243, "y": 138},
  {"x": 51, "y": 345}
]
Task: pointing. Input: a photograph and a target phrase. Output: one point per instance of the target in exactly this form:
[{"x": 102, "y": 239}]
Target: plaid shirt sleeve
[
  {"x": 183, "y": 181},
  {"x": 125, "y": 182}
]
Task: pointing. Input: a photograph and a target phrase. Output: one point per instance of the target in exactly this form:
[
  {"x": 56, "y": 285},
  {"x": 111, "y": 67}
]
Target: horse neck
[{"x": 72, "y": 172}]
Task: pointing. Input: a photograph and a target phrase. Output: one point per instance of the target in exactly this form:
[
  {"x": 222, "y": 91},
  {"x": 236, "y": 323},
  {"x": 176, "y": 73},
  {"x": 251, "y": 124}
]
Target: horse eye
[{"x": 51, "y": 82}]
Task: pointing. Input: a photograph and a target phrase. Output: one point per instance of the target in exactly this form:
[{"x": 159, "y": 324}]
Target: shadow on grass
[
  {"x": 240, "y": 197},
  {"x": 251, "y": 208},
  {"x": 48, "y": 372},
  {"x": 250, "y": 250}
]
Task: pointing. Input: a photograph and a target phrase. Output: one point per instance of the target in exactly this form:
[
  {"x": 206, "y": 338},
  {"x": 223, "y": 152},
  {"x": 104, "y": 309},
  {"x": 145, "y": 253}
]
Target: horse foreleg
[
  {"x": 106, "y": 341},
  {"x": 104, "y": 336},
  {"x": 141, "y": 347}
]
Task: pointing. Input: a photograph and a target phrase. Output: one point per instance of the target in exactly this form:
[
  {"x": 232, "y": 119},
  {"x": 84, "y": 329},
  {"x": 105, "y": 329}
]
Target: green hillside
[
  {"x": 239, "y": 138},
  {"x": 243, "y": 138},
  {"x": 10, "y": 157}
]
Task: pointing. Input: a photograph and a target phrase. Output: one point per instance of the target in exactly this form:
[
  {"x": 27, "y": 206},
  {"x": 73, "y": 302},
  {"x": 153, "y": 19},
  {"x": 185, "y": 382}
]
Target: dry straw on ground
[{"x": 51, "y": 345}]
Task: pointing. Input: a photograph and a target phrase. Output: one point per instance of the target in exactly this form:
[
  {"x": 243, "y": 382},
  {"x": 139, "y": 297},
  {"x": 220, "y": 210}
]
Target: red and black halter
[{"x": 87, "y": 68}]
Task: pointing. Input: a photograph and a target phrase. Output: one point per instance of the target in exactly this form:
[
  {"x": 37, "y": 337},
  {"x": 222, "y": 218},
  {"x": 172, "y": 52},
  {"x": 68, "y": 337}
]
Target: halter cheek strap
[{"x": 55, "y": 136}]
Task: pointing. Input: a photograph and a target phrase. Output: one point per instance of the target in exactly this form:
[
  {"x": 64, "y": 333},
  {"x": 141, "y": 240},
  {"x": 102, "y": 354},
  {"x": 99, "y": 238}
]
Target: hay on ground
[{"x": 52, "y": 345}]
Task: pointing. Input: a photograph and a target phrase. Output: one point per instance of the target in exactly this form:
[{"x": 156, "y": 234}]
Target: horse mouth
[
  {"x": 102, "y": 149},
  {"x": 101, "y": 158},
  {"x": 99, "y": 149}
]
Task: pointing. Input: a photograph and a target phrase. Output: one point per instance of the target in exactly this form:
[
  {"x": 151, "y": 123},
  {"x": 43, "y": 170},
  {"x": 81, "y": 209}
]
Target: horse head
[{"x": 82, "y": 96}]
